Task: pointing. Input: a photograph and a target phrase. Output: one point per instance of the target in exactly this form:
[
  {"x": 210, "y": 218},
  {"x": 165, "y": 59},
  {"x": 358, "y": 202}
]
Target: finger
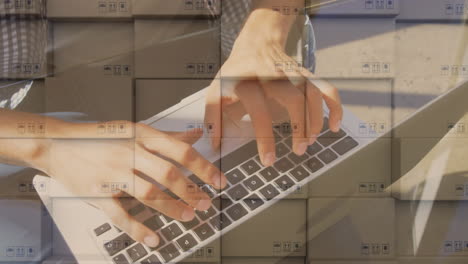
[
  {"x": 331, "y": 96},
  {"x": 315, "y": 111},
  {"x": 294, "y": 100},
  {"x": 292, "y": 71},
  {"x": 168, "y": 175},
  {"x": 190, "y": 137},
  {"x": 150, "y": 195},
  {"x": 254, "y": 102},
  {"x": 120, "y": 217},
  {"x": 213, "y": 113},
  {"x": 185, "y": 155}
]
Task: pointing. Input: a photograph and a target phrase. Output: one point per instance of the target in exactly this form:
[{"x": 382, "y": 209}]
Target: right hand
[{"x": 84, "y": 165}]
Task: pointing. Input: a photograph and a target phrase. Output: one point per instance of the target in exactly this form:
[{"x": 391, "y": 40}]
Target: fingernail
[
  {"x": 203, "y": 205},
  {"x": 269, "y": 159},
  {"x": 312, "y": 140},
  {"x": 217, "y": 181},
  {"x": 301, "y": 148},
  {"x": 188, "y": 215},
  {"x": 336, "y": 126},
  {"x": 151, "y": 241}
]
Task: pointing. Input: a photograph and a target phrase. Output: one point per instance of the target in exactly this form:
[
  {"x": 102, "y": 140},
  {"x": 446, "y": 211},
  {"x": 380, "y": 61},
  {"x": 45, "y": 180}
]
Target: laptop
[{"x": 251, "y": 189}]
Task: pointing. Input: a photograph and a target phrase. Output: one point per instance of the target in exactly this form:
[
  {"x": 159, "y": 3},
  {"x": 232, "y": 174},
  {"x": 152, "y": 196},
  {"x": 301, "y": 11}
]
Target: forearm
[
  {"x": 25, "y": 138},
  {"x": 22, "y": 140}
]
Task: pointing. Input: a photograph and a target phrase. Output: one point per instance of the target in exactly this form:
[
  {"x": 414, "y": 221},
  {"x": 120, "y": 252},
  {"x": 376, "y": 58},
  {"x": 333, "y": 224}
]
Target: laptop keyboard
[{"x": 251, "y": 186}]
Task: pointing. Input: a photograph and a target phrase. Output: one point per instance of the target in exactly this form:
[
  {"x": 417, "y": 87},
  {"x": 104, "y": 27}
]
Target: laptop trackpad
[{"x": 191, "y": 116}]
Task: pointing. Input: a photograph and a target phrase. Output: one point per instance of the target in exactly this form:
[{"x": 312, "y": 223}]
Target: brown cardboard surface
[
  {"x": 147, "y": 8},
  {"x": 176, "y": 48},
  {"x": 351, "y": 229},
  {"x": 278, "y": 231},
  {"x": 89, "y": 9}
]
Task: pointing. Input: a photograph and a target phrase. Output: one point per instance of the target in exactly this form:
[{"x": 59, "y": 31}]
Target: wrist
[{"x": 266, "y": 27}]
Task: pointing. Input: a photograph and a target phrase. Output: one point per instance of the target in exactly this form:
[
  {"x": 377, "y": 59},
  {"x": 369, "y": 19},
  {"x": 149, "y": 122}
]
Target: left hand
[{"x": 250, "y": 77}]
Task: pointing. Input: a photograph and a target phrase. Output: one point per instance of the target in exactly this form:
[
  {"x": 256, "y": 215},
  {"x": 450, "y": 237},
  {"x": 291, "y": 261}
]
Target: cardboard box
[
  {"x": 25, "y": 229},
  {"x": 424, "y": 71},
  {"x": 89, "y": 9},
  {"x": 173, "y": 48},
  {"x": 355, "y": 47},
  {"x": 353, "y": 262},
  {"x": 32, "y": 61},
  {"x": 245, "y": 260},
  {"x": 155, "y": 96},
  {"x": 351, "y": 229},
  {"x": 432, "y": 229},
  {"x": 22, "y": 7},
  {"x": 370, "y": 100},
  {"x": 371, "y": 8},
  {"x": 100, "y": 99},
  {"x": 145, "y": 8},
  {"x": 431, "y": 10},
  {"x": 434, "y": 260},
  {"x": 17, "y": 183},
  {"x": 103, "y": 49},
  {"x": 440, "y": 175},
  {"x": 279, "y": 231}
]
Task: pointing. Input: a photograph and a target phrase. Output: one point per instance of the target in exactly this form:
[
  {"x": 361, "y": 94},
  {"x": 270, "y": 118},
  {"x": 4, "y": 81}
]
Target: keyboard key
[
  {"x": 297, "y": 159},
  {"x": 187, "y": 242},
  {"x": 330, "y": 137},
  {"x": 120, "y": 259},
  {"x": 253, "y": 183},
  {"x": 204, "y": 231},
  {"x": 327, "y": 156},
  {"x": 314, "y": 149},
  {"x": 154, "y": 222},
  {"x": 220, "y": 221},
  {"x": 136, "y": 210},
  {"x": 235, "y": 176},
  {"x": 253, "y": 202},
  {"x": 236, "y": 212},
  {"x": 196, "y": 180},
  {"x": 171, "y": 232},
  {"x": 167, "y": 218},
  {"x": 191, "y": 224},
  {"x": 285, "y": 129},
  {"x": 237, "y": 192},
  {"x": 269, "y": 174},
  {"x": 222, "y": 202},
  {"x": 325, "y": 125},
  {"x": 151, "y": 260},
  {"x": 314, "y": 164},
  {"x": 208, "y": 190},
  {"x": 269, "y": 192},
  {"x": 136, "y": 252},
  {"x": 161, "y": 244},
  {"x": 250, "y": 167},
  {"x": 121, "y": 242},
  {"x": 206, "y": 214},
  {"x": 281, "y": 150},
  {"x": 345, "y": 145},
  {"x": 169, "y": 252},
  {"x": 283, "y": 165},
  {"x": 238, "y": 156},
  {"x": 284, "y": 183},
  {"x": 299, "y": 173},
  {"x": 277, "y": 137},
  {"x": 102, "y": 229}
]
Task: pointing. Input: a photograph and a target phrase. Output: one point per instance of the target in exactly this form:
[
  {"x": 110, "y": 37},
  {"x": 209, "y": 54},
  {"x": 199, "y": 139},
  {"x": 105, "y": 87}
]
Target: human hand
[
  {"x": 250, "y": 77},
  {"x": 83, "y": 166}
]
